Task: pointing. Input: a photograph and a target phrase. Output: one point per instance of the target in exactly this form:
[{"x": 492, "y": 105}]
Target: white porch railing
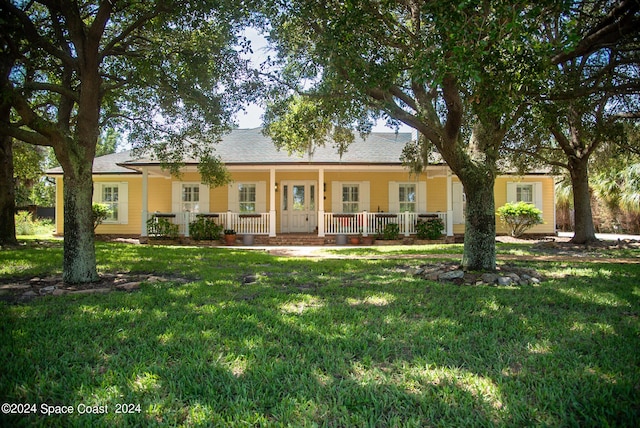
[
  {"x": 364, "y": 223},
  {"x": 243, "y": 224},
  {"x": 367, "y": 223}
]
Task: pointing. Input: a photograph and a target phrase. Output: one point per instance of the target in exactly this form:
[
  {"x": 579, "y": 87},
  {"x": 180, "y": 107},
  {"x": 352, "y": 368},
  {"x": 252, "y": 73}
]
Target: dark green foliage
[
  {"x": 391, "y": 231},
  {"x": 430, "y": 228},
  {"x": 100, "y": 213},
  {"x": 162, "y": 228},
  {"x": 205, "y": 229}
]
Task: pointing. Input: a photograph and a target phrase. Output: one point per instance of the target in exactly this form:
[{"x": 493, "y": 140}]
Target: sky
[{"x": 252, "y": 117}]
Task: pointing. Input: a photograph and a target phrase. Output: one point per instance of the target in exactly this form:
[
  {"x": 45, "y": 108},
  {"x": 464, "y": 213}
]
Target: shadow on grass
[{"x": 335, "y": 343}]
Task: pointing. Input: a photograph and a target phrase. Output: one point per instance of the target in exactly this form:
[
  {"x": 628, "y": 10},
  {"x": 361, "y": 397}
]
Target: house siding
[
  {"x": 500, "y": 193},
  {"x": 378, "y": 185},
  {"x": 160, "y": 194},
  {"x": 437, "y": 194}
]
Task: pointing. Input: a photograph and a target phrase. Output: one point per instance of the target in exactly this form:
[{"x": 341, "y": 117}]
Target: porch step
[{"x": 290, "y": 239}]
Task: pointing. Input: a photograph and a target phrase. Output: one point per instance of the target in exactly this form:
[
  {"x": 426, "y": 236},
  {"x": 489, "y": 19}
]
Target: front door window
[{"x": 299, "y": 198}]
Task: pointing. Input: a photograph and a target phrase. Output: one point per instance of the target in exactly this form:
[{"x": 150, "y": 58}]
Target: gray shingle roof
[
  {"x": 251, "y": 147},
  {"x": 107, "y": 164}
]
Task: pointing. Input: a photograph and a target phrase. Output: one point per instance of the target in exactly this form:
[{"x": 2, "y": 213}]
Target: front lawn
[{"x": 260, "y": 340}]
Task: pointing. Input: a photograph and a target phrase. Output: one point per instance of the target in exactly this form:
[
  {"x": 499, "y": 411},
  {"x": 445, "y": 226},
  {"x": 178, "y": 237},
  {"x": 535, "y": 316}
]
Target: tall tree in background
[
  {"x": 594, "y": 86},
  {"x": 456, "y": 72},
  {"x": 166, "y": 70}
]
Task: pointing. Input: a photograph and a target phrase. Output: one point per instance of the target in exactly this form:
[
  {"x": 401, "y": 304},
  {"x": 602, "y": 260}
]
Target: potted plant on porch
[{"x": 229, "y": 236}]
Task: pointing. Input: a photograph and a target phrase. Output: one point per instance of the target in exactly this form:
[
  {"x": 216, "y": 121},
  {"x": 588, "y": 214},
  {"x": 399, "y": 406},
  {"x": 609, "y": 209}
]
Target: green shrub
[
  {"x": 161, "y": 228},
  {"x": 519, "y": 217},
  {"x": 391, "y": 231},
  {"x": 100, "y": 213},
  {"x": 430, "y": 228},
  {"x": 205, "y": 229}
]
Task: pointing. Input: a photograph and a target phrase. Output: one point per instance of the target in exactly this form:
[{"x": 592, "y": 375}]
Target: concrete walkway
[{"x": 604, "y": 236}]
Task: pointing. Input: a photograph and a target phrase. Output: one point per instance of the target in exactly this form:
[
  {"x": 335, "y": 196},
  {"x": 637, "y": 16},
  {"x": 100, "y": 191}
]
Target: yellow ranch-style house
[{"x": 319, "y": 194}]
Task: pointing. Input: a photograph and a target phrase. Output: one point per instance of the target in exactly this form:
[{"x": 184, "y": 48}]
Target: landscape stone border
[
  {"x": 505, "y": 275},
  {"x": 18, "y": 291}
]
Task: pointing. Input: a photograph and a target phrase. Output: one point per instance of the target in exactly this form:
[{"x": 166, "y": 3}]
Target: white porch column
[
  {"x": 321, "y": 191},
  {"x": 145, "y": 201},
  {"x": 272, "y": 202},
  {"x": 449, "y": 204}
]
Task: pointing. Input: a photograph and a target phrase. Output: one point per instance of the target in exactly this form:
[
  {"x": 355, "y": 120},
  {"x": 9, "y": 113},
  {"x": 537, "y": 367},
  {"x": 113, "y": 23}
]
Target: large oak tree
[
  {"x": 457, "y": 72},
  {"x": 164, "y": 70}
]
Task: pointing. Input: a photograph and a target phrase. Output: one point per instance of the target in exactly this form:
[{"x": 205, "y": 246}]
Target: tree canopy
[
  {"x": 167, "y": 72},
  {"x": 457, "y": 73}
]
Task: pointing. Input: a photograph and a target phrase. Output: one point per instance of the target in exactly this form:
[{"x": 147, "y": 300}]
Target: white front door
[{"x": 298, "y": 202}]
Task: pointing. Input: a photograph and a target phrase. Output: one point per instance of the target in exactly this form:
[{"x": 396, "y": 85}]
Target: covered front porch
[
  {"x": 363, "y": 223},
  {"x": 308, "y": 199}
]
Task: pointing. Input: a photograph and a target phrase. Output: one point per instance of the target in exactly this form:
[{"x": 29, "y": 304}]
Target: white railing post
[
  {"x": 227, "y": 220},
  {"x": 145, "y": 217},
  {"x": 145, "y": 201},
  {"x": 321, "y": 230},
  {"x": 449, "y": 204},
  {"x": 406, "y": 223},
  {"x": 365, "y": 223}
]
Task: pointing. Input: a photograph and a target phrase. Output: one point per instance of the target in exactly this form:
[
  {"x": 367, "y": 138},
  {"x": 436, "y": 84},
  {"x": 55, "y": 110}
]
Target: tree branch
[
  {"x": 41, "y": 86},
  {"x": 31, "y": 33},
  {"x": 109, "y": 48},
  {"x": 620, "y": 22}
]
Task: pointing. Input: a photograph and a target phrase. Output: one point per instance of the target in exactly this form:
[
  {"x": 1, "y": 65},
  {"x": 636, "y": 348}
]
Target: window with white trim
[
  {"x": 247, "y": 198},
  {"x": 115, "y": 195},
  {"x": 109, "y": 196},
  {"x": 407, "y": 197},
  {"x": 190, "y": 198},
  {"x": 528, "y": 191},
  {"x": 350, "y": 198},
  {"x": 524, "y": 193}
]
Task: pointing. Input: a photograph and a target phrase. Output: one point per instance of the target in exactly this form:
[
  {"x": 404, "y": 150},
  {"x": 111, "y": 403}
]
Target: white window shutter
[
  {"x": 176, "y": 196},
  {"x": 123, "y": 203},
  {"x": 204, "y": 198},
  {"x": 422, "y": 197},
  {"x": 97, "y": 193},
  {"x": 537, "y": 194},
  {"x": 233, "y": 203},
  {"x": 365, "y": 196},
  {"x": 394, "y": 201},
  {"x": 458, "y": 215},
  {"x": 261, "y": 196},
  {"x": 511, "y": 192},
  {"x": 336, "y": 196}
]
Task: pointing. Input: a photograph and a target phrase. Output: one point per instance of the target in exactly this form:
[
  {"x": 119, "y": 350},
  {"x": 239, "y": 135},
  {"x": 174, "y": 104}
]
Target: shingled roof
[{"x": 251, "y": 147}]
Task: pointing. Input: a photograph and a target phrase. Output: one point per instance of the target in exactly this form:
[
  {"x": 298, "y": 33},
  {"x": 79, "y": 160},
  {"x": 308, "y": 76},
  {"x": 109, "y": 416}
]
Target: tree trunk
[
  {"x": 480, "y": 223},
  {"x": 584, "y": 230},
  {"x": 7, "y": 192},
  {"x": 7, "y": 185},
  {"x": 79, "y": 264}
]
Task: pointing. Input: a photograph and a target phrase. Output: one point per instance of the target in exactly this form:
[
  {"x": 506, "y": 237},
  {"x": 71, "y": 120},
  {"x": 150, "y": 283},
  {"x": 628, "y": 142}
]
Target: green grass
[
  {"x": 319, "y": 342},
  {"x": 520, "y": 249}
]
